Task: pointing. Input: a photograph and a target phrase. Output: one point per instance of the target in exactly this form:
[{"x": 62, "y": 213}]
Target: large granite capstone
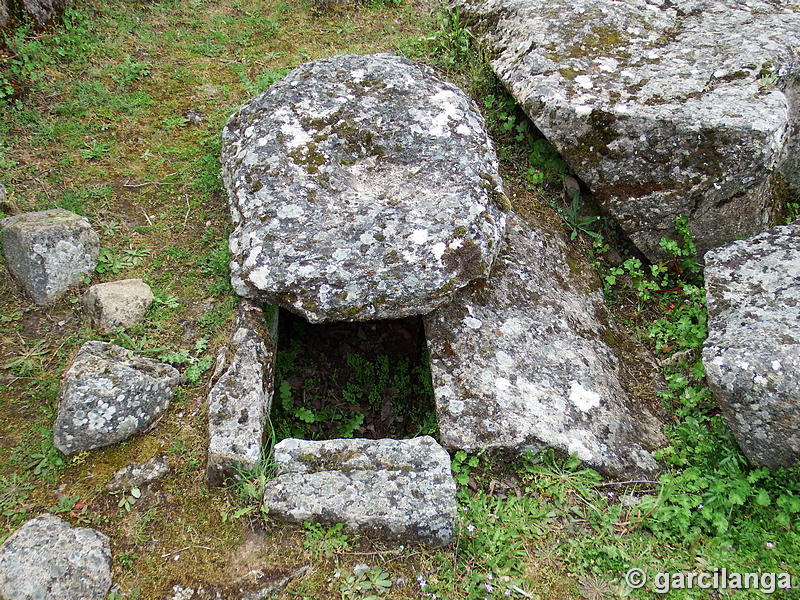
[
  {"x": 48, "y": 559},
  {"x": 752, "y": 353},
  {"x": 662, "y": 107},
  {"x": 521, "y": 362},
  {"x": 107, "y": 395},
  {"x": 402, "y": 489},
  {"x": 360, "y": 187}
]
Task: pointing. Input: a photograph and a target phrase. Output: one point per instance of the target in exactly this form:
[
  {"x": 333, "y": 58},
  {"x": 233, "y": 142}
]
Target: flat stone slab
[
  {"x": 521, "y": 363},
  {"x": 240, "y": 397},
  {"x": 49, "y": 251},
  {"x": 402, "y": 489},
  {"x": 48, "y": 559},
  {"x": 138, "y": 474},
  {"x": 360, "y": 187},
  {"x": 117, "y": 303},
  {"x": 662, "y": 107},
  {"x": 752, "y": 353},
  {"x": 107, "y": 395}
]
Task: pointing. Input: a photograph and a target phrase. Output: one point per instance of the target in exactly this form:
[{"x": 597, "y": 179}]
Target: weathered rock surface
[
  {"x": 752, "y": 353},
  {"x": 240, "y": 397},
  {"x": 521, "y": 363},
  {"x": 399, "y": 488},
  {"x": 138, "y": 474},
  {"x": 48, "y": 251},
  {"x": 48, "y": 559},
  {"x": 4, "y": 21},
  {"x": 360, "y": 187},
  {"x": 44, "y": 12},
  {"x": 662, "y": 107},
  {"x": 107, "y": 395},
  {"x": 117, "y": 303}
]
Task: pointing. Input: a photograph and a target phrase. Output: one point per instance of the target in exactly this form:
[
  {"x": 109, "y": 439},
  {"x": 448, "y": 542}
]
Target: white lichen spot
[
  {"x": 420, "y": 236},
  {"x": 463, "y": 130},
  {"x": 607, "y": 64},
  {"x": 456, "y": 407},
  {"x": 472, "y": 322},
  {"x": 502, "y": 384},
  {"x": 358, "y": 74},
  {"x": 776, "y": 365},
  {"x": 582, "y": 398},
  {"x": 289, "y": 211},
  {"x": 296, "y": 135},
  {"x": 583, "y": 110},
  {"x": 585, "y": 81},
  {"x": 504, "y": 360},
  {"x": 438, "y": 250}
]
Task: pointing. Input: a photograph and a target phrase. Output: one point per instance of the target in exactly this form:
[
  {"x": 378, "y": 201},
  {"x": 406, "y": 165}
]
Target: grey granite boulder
[
  {"x": 48, "y": 559},
  {"x": 44, "y": 12},
  {"x": 240, "y": 397},
  {"x": 360, "y": 187},
  {"x": 752, "y": 353},
  {"x": 49, "y": 251},
  {"x": 138, "y": 474},
  {"x": 402, "y": 489},
  {"x": 662, "y": 107},
  {"x": 5, "y": 17},
  {"x": 521, "y": 362},
  {"x": 117, "y": 303},
  {"x": 107, "y": 395}
]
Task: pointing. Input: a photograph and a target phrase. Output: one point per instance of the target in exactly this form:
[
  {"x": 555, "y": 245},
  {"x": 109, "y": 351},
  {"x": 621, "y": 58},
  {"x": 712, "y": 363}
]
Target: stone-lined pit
[{"x": 368, "y": 379}]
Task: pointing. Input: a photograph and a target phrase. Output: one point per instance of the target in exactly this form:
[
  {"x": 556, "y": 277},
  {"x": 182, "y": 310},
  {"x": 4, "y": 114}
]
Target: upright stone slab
[
  {"x": 521, "y": 362},
  {"x": 752, "y": 353},
  {"x": 49, "y": 251},
  {"x": 360, "y": 187},
  {"x": 399, "y": 488},
  {"x": 240, "y": 397},
  {"x": 48, "y": 559},
  {"x": 107, "y": 395},
  {"x": 662, "y": 108}
]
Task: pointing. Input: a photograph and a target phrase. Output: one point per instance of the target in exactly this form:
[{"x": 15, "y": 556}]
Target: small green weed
[
  {"x": 129, "y": 498},
  {"x": 195, "y": 364},
  {"x": 370, "y": 585},
  {"x": 29, "y": 359},
  {"x": 574, "y": 222},
  {"x": 14, "y": 494},
  {"x": 327, "y": 541},
  {"x": 111, "y": 260}
]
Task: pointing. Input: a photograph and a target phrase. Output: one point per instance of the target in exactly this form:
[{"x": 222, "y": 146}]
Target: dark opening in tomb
[{"x": 367, "y": 379}]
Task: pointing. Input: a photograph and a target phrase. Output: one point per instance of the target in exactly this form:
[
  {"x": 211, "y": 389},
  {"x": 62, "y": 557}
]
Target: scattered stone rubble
[
  {"x": 49, "y": 251},
  {"x": 117, "y": 303},
  {"x": 48, "y": 559},
  {"x": 107, "y": 395}
]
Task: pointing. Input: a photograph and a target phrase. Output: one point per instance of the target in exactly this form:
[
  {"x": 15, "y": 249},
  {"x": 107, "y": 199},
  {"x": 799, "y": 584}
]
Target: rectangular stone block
[{"x": 402, "y": 489}]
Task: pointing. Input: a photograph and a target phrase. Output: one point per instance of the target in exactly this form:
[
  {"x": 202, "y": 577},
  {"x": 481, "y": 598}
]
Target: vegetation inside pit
[{"x": 367, "y": 379}]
